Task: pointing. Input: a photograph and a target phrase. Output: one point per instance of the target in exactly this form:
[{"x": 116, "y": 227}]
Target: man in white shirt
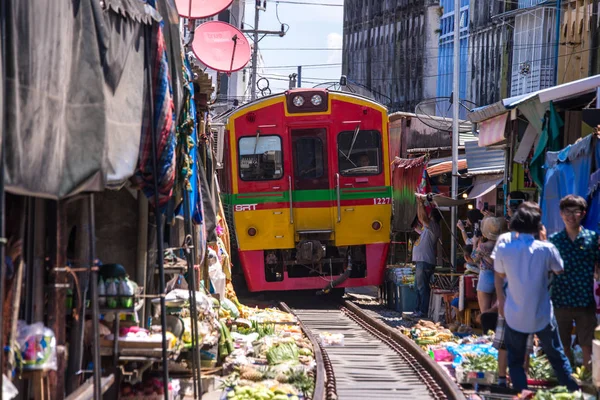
[{"x": 526, "y": 264}]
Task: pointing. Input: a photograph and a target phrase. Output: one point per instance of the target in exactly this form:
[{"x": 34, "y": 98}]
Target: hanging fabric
[
  {"x": 567, "y": 172},
  {"x": 164, "y": 128},
  {"x": 549, "y": 141},
  {"x": 407, "y": 176},
  {"x": 187, "y": 153}
]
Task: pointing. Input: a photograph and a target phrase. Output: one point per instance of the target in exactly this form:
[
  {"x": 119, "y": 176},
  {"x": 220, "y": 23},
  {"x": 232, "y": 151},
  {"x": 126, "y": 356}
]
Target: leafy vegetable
[
  {"x": 541, "y": 369},
  {"x": 282, "y": 352},
  {"x": 557, "y": 393},
  {"x": 263, "y": 329},
  {"x": 302, "y": 381},
  {"x": 479, "y": 363}
]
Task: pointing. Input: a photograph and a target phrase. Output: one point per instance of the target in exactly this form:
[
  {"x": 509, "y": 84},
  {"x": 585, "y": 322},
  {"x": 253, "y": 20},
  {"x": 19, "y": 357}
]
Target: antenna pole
[
  {"x": 255, "y": 51},
  {"x": 455, "y": 120},
  {"x": 255, "y": 32}
]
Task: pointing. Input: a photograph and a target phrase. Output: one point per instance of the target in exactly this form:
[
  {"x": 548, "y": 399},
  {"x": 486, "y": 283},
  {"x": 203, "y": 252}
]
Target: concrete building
[
  {"x": 391, "y": 47},
  {"x": 490, "y": 47}
]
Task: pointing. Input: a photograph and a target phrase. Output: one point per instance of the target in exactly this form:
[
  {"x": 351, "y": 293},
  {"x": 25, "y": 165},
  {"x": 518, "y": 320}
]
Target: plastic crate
[{"x": 475, "y": 378}]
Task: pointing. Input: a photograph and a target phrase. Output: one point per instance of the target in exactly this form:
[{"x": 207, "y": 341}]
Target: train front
[{"x": 309, "y": 189}]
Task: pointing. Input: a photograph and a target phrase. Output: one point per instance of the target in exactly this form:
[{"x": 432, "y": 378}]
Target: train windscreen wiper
[{"x": 352, "y": 145}]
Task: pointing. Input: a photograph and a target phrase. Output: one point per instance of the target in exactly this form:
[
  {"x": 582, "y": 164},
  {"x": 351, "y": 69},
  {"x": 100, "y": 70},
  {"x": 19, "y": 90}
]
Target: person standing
[
  {"x": 424, "y": 254},
  {"x": 572, "y": 293},
  {"x": 527, "y": 264}
]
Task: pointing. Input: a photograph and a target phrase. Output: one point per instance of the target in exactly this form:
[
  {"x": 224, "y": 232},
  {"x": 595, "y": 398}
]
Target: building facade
[{"x": 391, "y": 47}]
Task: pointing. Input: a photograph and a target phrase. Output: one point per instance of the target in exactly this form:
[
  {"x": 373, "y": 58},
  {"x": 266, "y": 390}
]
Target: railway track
[{"x": 376, "y": 361}]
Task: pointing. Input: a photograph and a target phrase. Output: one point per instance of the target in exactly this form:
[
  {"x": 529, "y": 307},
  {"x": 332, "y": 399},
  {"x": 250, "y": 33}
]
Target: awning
[
  {"x": 484, "y": 187},
  {"x": 445, "y": 167},
  {"x": 541, "y": 97},
  {"x": 478, "y": 190},
  {"x": 492, "y": 130}
]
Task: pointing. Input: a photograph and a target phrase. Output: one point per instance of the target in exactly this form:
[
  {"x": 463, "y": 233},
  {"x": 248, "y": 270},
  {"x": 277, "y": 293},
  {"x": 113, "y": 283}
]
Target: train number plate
[{"x": 382, "y": 200}]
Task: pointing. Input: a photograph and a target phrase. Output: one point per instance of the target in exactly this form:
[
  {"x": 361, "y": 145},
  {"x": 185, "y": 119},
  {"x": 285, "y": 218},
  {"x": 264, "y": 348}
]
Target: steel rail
[
  {"x": 409, "y": 350},
  {"x": 320, "y": 381},
  {"x": 376, "y": 355}
]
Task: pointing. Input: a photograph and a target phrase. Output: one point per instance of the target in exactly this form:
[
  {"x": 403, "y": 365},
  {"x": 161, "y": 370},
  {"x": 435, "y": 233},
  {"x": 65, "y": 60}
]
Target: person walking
[
  {"x": 526, "y": 264},
  {"x": 491, "y": 229},
  {"x": 572, "y": 293},
  {"x": 424, "y": 254}
]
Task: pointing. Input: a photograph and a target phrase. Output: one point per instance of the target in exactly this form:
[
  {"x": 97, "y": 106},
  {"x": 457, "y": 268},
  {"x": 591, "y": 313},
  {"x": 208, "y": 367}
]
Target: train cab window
[
  {"x": 309, "y": 158},
  {"x": 359, "y": 153},
  {"x": 260, "y": 158}
]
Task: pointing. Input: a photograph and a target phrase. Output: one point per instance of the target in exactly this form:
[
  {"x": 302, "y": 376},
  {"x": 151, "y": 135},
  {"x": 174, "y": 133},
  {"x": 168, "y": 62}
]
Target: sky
[{"x": 311, "y": 25}]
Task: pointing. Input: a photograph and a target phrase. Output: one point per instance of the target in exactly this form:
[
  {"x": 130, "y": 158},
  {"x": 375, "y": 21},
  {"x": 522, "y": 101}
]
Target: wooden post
[{"x": 56, "y": 305}]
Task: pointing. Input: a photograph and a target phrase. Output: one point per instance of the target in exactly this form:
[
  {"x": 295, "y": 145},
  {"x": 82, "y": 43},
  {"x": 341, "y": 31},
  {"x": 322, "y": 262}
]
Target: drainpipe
[
  {"x": 557, "y": 48},
  {"x": 593, "y": 68}
]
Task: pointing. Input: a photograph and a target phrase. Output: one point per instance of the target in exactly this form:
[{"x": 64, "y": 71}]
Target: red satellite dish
[
  {"x": 221, "y": 46},
  {"x": 201, "y": 8}
]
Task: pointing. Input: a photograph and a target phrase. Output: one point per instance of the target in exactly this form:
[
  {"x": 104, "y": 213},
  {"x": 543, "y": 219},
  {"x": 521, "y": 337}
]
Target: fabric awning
[
  {"x": 483, "y": 188},
  {"x": 491, "y": 130}
]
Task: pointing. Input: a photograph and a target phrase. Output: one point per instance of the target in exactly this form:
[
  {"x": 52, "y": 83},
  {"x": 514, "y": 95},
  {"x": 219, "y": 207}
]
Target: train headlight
[
  {"x": 376, "y": 225},
  {"x": 252, "y": 232},
  {"x": 316, "y": 100},
  {"x": 298, "y": 101}
]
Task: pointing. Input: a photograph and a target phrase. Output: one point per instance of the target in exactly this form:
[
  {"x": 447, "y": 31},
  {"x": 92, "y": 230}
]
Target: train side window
[
  {"x": 359, "y": 153},
  {"x": 309, "y": 158},
  {"x": 260, "y": 158}
]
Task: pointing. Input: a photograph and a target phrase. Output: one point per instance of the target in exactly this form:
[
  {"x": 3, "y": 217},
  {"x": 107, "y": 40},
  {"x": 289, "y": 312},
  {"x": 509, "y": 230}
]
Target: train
[{"x": 306, "y": 188}]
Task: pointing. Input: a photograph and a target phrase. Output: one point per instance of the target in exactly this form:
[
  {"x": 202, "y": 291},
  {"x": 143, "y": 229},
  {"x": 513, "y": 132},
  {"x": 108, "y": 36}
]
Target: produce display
[
  {"x": 540, "y": 369},
  {"x": 426, "y": 333},
  {"x": 557, "y": 393},
  {"x": 272, "y": 358},
  {"x": 479, "y": 363}
]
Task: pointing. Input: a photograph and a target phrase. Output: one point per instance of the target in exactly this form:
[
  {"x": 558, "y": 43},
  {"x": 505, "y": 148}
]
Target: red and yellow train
[{"x": 307, "y": 188}]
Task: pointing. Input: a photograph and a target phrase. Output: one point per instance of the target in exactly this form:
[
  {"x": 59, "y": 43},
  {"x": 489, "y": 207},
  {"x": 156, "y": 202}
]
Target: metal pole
[
  {"x": 3, "y": 129},
  {"x": 93, "y": 276},
  {"x": 299, "y": 76},
  {"x": 159, "y": 231},
  {"x": 557, "y": 47},
  {"x": 455, "y": 132},
  {"x": 255, "y": 51}
]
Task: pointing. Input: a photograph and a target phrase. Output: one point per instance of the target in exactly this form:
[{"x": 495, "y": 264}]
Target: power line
[{"x": 301, "y": 3}]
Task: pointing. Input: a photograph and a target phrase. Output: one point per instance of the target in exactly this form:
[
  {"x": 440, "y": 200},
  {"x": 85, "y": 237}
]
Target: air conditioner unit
[{"x": 218, "y": 131}]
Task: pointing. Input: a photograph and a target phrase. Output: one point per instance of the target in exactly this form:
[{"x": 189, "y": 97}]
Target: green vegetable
[
  {"x": 280, "y": 353},
  {"x": 541, "y": 369},
  {"x": 557, "y": 393},
  {"x": 479, "y": 363},
  {"x": 263, "y": 329}
]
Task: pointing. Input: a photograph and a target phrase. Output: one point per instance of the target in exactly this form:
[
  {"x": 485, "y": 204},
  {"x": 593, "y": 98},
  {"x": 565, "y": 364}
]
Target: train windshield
[
  {"x": 260, "y": 158},
  {"x": 364, "y": 156}
]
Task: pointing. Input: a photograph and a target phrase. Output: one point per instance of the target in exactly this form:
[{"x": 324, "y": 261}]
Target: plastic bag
[
  {"x": 216, "y": 274},
  {"x": 229, "y": 306},
  {"x": 101, "y": 292},
  {"x": 125, "y": 290},
  {"x": 9, "y": 391},
  {"x": 459, "y": 350},
  {"x": 112, "y": 291},
  {"x": 36, "y": 347}
]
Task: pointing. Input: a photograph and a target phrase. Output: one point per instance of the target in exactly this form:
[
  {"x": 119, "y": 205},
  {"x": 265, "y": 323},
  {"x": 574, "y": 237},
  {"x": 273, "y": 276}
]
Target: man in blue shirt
[
  {"x": 573, "y": 292},
  {"x": 526, "y": 264}
]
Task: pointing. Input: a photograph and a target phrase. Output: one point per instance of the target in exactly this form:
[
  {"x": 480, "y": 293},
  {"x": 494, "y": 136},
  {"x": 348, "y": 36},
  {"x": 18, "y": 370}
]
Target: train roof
[{"x": 221, "y": 118}]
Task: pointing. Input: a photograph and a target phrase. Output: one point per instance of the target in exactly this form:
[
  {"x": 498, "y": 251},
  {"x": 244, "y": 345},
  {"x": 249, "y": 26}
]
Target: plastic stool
[{"x": 437, "y": 308}]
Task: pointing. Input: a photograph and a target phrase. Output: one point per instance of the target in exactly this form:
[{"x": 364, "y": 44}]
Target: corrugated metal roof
[
  {"x": 445, "y": 167},
  {"x": 482, "y": 160}
]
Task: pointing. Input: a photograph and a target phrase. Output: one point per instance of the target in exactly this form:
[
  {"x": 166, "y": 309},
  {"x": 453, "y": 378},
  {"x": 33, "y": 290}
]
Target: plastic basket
[{"x": 445, "y": 282}]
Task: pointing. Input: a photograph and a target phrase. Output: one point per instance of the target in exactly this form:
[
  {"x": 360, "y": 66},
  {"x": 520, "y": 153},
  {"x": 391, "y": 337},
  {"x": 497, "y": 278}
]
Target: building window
[
  {"x": 359, "y": 153},
  {"x": 260, "y": 158}
]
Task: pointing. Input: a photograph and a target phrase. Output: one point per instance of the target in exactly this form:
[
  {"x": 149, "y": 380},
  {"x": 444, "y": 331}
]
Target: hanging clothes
[
  {"x": 567, "y": 172},
  {"x": 592, "y": 219},
  {"x": 164, "y": 128},
  {"x": 187, "y": 153},
  {"x": 549, "y": 141}
]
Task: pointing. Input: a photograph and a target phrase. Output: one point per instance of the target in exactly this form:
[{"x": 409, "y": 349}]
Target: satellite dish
[
  {"x": 437, "y": 113},
  {"x": 196, "y": 9},
  {"x": 221, "y": 46}
]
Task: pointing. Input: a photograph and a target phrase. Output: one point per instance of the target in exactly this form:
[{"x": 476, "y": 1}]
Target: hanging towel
[{"x": 548, "y": 142}]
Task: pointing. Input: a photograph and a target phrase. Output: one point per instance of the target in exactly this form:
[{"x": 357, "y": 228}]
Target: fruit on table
[
  {"x": 583, "y": 374},
  {"x": 258, "y": 393}
]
